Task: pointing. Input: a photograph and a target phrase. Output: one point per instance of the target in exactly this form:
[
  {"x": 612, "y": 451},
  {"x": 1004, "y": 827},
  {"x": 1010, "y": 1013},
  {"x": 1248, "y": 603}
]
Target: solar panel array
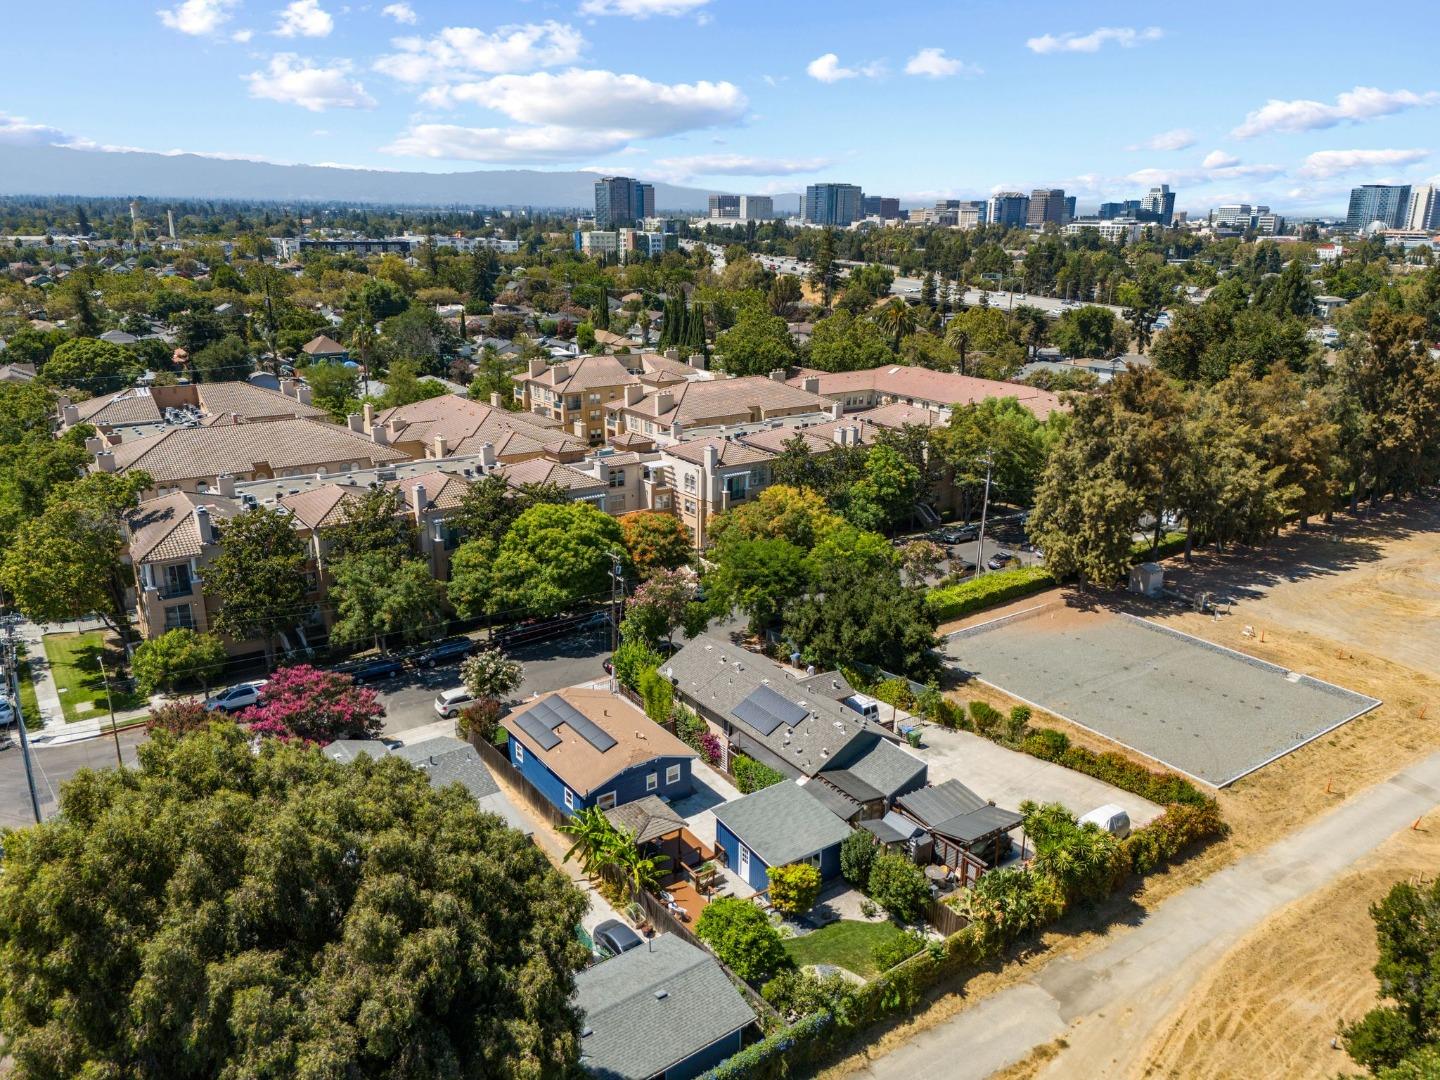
[
  {"x": 541, "y": 719},
  {"x": 765, "y": 710}
]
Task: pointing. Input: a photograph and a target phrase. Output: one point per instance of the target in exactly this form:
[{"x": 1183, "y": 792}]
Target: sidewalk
[{"x": 56, "y": 730}]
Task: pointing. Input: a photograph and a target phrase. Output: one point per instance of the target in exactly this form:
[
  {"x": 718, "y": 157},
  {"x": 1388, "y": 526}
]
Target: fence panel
[
  {"x": 945, "y": 919},
  {"x": 498, "y": 763}
]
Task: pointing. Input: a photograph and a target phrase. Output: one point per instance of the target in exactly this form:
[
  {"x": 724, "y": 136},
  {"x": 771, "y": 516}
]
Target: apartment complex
[
  {"x": 938, "y": 391},
  {"x": 574, "y": 393},
  {"x": 1388, "y": 204},
  {"x": 149, "y": 410}
]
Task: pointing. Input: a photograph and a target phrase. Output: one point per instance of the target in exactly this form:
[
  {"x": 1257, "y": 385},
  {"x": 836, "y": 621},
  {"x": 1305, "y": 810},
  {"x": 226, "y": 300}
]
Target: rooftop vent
[{"x": 661, "y": 995}]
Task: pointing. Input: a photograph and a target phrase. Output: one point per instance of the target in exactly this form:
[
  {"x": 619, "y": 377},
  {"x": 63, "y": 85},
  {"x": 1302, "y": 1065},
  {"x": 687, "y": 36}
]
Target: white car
[
  {"x": 237, "y": 697},
  {"x": 7, "y": 711},
  {"x": 1111, "y": 818},
  {"x": 450, "y": 702}
]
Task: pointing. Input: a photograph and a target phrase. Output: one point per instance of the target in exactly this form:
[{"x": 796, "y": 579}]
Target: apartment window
[
  {"x": 594, "y": 414},
  {"x": 179, "y": 617},
  {"x": 662, "y": 502},
  {"x": 176, "y": 581},
  {"x": 757, "y": 477},
  {"x": 689, "y": 481},
  {"x": 574, "y": 402},
  {"x": 689, "y": 506},
  {"x": 738, "y": 486},
  {"x": 594, "y": 399},
  {"x": 606, "y": 801},
  {"x": 569, "y": 799},
  {"x": 519, "y": 752},
  {"x": 672, "y": 775},
  {"x": 617, "y": 477},
  {"x": 652, "y": 781}
]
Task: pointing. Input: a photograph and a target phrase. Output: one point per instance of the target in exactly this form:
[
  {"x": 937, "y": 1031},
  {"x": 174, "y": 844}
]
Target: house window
[
  {"x": 606, "y": 801},
  {"x": 689, "y": 506},
  {"x": 519, "y": 753},
  {"x": 652, "y": 781},
  {"x": 569, "y": 799},
  {"x": 812, "y": 860},
  {"x": 617, "y": 477},
  {"x": 672, "y": 775},
  {"x": 179, "y": 617}
]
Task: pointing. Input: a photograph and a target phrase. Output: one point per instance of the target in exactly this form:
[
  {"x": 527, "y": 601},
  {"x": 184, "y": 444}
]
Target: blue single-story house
[
  {"x": 777, "y": 826},
  {"x": 662, "y": 1010},
  {"x": 584, "y": 747}
]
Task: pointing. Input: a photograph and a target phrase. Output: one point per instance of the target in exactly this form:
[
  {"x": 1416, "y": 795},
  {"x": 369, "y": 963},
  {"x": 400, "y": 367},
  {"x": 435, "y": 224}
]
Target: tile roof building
[
  {"x": 675, "y": 412},
  {"x": 148, "y": 410},
  {"x": 939, "y": 391}
]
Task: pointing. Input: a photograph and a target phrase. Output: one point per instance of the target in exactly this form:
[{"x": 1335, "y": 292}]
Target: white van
[
  {"x": 865, "y": 705},
  {"x": 1113, "y": 819},
  {"x": 450, "y": 702}
]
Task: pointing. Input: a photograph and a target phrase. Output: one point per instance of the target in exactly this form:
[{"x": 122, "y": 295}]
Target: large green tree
[
  {"x": 555, "y": 557},
  {"x": 90, "y": 364},
  {"x": 258, "y": 576},
  {"x": 757, "y": 344},
  {"x": 859, "y": 612},
  {"x": 379, "y": 595},
  {"x": 228, "y": 912}
]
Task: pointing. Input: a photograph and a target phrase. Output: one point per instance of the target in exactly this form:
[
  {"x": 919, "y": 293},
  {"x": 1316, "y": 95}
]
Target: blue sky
[{"x": 1287, "y": 103}]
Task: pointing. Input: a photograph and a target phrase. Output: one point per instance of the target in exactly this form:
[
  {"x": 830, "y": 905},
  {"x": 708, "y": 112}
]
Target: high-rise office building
[
  {"x": 1109, "y": 211},
  {"x": 724, "y": 206},
  {"x": 839, "y": 205},
  {"x": 1424, "y": 208},
  {"x": 621, "y": 201},
  {"x": 756, "y": 208},
  {"x": 1047, "y": 207},
  {"x": 1159, "y": 205},
  {"x": 1388, "y": 204},
  {"x": 881, "y": 206},
  {"x": 1008, "y": 208}
]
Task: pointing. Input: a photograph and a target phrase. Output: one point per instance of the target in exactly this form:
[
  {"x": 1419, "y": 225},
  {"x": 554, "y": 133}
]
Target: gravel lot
[{"x": 1212, "y": 713}]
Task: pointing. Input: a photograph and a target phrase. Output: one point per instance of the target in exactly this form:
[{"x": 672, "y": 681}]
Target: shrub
[
  {"x": 986, "y": 718},
  {"x": 1046, "y": 743},
  {"x": 857, "y": 856},
  {"x": 480, "y": 718},
  {"x": 742, "y": 936},
  {"x": 180, "y": 718},
  {"x": 799, "y": 993},
  {"x": 930, "y": 704},
  {"x": 895, "y": 692},
  {"x": 750, "y": 775},
  {"x": 1171, "y": 834},
  {"x": 631, "y": 660},
  {"x": 986, "y": 591},
  {"x": 869, "y": 908},
  {"x": 1114, "y": 768},
  {"x": 658, "y": 695},
  {"x": 689, "y": 727},
  {"x": 1380, "y": 1039},
  {"x": 710, "y": 747},
  {"x": 306, "y": 703},
  {"x": 897, "y": 949},
  {"x": 899, "y": 886},
  {"x": 794, "y": 888}
]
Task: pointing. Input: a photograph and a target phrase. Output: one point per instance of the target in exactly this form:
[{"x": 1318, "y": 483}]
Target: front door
[{"x": 744, "y": 862}]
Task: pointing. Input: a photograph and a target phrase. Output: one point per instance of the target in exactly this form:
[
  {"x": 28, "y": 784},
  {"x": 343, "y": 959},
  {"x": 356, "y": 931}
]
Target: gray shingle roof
[
  {"x": 887, "y": 769},
  {"x": 782, "y": 823},
  {"x": 649, "y": 1008},
  {"x": 953, "y": 810}
]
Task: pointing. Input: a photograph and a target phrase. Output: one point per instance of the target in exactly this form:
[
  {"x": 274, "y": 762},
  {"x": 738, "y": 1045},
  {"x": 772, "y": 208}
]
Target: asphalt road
[{"x": 54, "y": 765}]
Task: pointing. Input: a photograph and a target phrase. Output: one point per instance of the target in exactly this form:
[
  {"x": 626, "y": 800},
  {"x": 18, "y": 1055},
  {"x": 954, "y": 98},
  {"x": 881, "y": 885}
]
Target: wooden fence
[
  {"x": 496, "y": 760},
  {"x": 945, "y": 919}
]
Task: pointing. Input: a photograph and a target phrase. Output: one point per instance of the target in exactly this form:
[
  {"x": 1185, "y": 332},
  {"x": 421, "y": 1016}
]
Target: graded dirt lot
[{"x": 1356, "y": 603}]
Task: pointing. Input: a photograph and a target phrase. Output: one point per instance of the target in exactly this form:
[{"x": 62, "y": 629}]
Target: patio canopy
[{"x": 646, "y": 819}]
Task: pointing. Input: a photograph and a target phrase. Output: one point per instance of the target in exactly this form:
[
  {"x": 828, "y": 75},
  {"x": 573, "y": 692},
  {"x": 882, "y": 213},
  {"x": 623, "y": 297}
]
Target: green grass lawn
[
  {"x": 75, "y": 666},
  {"x": 29, "y": 707},
  {"x": 848, "y": 943}
]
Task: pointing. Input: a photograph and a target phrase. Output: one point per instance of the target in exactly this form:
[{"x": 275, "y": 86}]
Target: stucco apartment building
[
  {"x": 675, "y": 413},
  {"x": 139, "y": 411},
  {"x": 938, "y": 391},
  {"x": 574, "y": 393}
]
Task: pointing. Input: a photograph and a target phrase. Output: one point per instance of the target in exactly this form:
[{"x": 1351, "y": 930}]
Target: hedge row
[
  {"x": 1116, "y": 769},
  {"x": 988, "y": 590}
]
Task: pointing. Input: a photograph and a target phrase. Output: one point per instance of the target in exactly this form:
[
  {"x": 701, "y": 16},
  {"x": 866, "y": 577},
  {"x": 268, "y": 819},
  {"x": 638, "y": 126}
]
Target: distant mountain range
[{"x": 55, "y": 170}]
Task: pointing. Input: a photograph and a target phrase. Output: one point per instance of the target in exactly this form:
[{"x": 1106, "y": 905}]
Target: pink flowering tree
[
  {"x": 658, "y": 606},
  {"x": 315, "y": 706}
]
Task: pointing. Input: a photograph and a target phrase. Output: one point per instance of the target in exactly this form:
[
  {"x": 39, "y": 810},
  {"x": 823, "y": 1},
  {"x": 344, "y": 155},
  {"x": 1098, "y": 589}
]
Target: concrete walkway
[{"x": 1107, "y": 1001}]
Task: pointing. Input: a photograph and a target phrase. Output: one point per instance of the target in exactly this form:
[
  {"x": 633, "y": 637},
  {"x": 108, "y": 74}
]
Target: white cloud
[
  {"x": 738, "y": 165},
  {"x": 240, "y": 37},
  {"x": 640, "y": 9},
  {"x": 1353, "y": 106},
  {"x": 295, "y": 81},
  {"x": 1219, "y": 159},
  {"x": 1126, "y": 37},
  {"x": 1327, "y": 163},
  {"x": 18, "y": 131},
  {"x": 1175, "y": 139},
  {"x": 197, "y": 17},
  {"x": 305, "y": 18},
  {"x": 934, "y": 64},
  {"x": 600, "y": 100},
  {"x": 827, "y": 69},
  {"x": 461, "y": 51},
  {"x": 537, "y": 144},
  {"x": 401, "y": 13}
]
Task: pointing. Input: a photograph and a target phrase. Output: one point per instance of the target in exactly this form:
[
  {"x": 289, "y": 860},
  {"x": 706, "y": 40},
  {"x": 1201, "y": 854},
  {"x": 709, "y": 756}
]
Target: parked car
[
  {"x": 534, "y": 630},
  {"x": 614, "y": 935},
  {"x": 1113, "y": 819},
  {"x": 240, "y": 696},
  {"x": 1000, "y": 560},
  {"x": 373, "y": 668},
  {"x": 450, "y": 702},
  {"x": 444, "y": 651},
  {"x": 7, "y": 711}
]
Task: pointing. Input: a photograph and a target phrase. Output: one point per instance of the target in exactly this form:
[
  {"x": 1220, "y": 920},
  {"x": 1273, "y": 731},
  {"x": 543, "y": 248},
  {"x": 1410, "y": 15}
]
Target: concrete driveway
[
  {"x": 1010, "y": 777},
  {"x": 698, "y": 809}
]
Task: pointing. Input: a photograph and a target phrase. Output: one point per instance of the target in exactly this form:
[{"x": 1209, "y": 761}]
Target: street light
[{"x": 989, "y": 459}]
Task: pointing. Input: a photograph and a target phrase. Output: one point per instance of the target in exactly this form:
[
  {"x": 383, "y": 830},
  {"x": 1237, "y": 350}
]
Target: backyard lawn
[
  {"x": 848, "y": 943},
  {"x": 75, "y": 666}
]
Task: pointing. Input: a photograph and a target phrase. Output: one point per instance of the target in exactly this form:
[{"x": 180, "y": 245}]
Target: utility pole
[
  {"x": 114, "y": 730},
  {"x": 13, "y": 683},
  {"x": 617, "y": 599},
  {"x": 989, "y": 460}
]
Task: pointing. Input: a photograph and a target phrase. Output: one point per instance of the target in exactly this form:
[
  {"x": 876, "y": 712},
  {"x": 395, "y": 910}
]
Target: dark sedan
[
  {"x": 377, "y": 667},
  {"x": 614, "y": 936},
  {"x": 445, "y": 651}
]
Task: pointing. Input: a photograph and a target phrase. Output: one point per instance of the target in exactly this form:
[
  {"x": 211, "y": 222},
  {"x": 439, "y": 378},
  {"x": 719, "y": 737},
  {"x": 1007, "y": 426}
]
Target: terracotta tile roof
[
  {"x": 945, "y": 388},
  {"x": 545, "y": 471},
  {"x": 710, "y": 401},
  {"x": 818, "y": 437},
  {"x": 138, "y": 405},
  {"x": 467, "y": 424},
  {"x": 322, "y": 506},
  {"x": 129, "y": 406},
  {"x": 189, "y": 453},
  {"x": 252, "y": 402},
  {"x": 631, "y": 440},
  {"x": 164, "y": 529},
  {"x": 583, "y": 373},
  {"x": 583, "y": 768},
  {"x": 899, "y": 415},
  {"x": 443, "y": 491},
  {"x": 731, "y": 452}
]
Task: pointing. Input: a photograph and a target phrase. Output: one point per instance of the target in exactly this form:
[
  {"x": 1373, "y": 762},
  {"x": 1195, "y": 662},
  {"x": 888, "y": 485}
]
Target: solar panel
[
  {"x": 765, "y": 710},
  {"x": 534, "y": 723},
  {"x": 595, "y": 735},
  {"x": 541, "y": 720}
]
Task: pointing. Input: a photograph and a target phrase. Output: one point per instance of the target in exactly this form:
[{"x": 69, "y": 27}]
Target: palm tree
[
  {"x": 897, "y": 318},
  {"x": 642, "y": 871},
  {"x": 594, "y": 839}
]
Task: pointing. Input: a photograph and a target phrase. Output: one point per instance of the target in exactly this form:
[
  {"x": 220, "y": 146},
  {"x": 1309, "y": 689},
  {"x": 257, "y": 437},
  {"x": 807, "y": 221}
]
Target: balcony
[{"x": 174, "y": 590}]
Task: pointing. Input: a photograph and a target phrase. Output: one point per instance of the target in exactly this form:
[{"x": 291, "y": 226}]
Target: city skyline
[{"x": 727, "y": 95}]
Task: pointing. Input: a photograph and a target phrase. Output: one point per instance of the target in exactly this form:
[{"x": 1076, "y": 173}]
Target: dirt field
[{"x": 1357, "y": 604}]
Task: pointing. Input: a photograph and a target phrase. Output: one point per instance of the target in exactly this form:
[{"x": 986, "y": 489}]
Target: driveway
[
  {"x": 1105, "y": 1003},
  {"x": 1010, "y": 777},
  {"x": 698, "y": 808}
]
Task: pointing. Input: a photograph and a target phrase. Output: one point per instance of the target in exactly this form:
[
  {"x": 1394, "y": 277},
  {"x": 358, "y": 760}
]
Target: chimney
[
  {"x": 562, "y": 372},
  {"x": 70, "y": 415},
  {"x": 63, "y": 400},
  {"x": 836, "y": 409},
  {"x": 442, "y": 447},
  {"x": 495, "y": 401},
  {"x": 633, "y": 393},
  {"x": 842, "y": 435},
  {"x": 418, "y": 500},
  {"x": 226, "y": 485},
  {"x": 356, "y": 423},
  {"x": 811, "y": 384},
  {"x": 778, "y": 375},
  {"x": 378, "y": 433},
  {"x": 234, "y": 418},
  {"x": 393, "y": 428},
  {"x": 287, "y": 387},
  {"x": 369, "y": 413},
  {"x": 105, "y": 461},
  {"x": 537, "y": 368},
  {"x": 487, "y": 455},
  {"x": 664, "y": 402},
  {"x": 697, "y": 361},
  {"x": 672, "y": 354},
  {"x": 302, "y": 393},
  {"x": 95, "y": 445},
  {"x": 712, "y": 457},
  {"x": 203, "y": 526}
]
